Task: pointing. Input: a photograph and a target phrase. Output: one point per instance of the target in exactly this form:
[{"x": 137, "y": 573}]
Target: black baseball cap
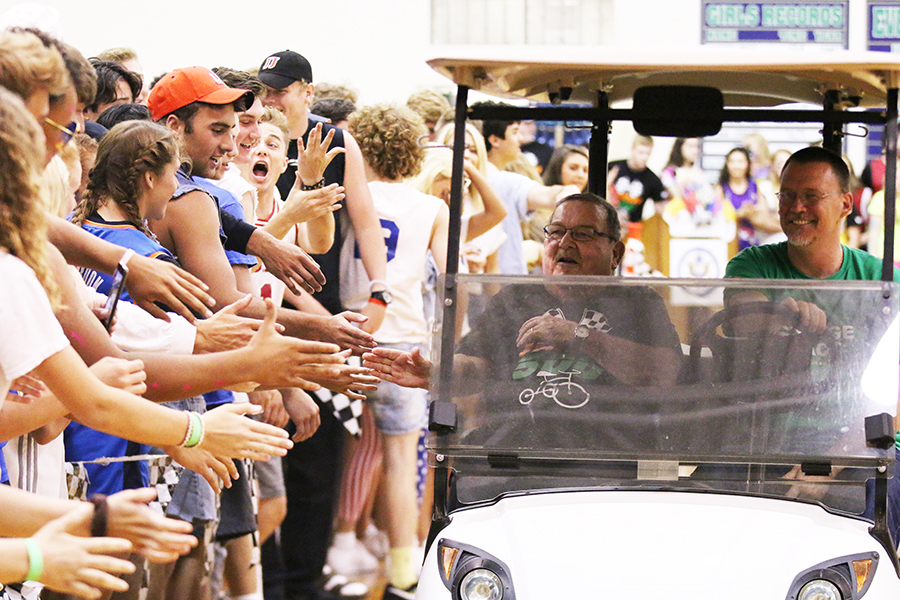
[{"x": 283, "y": 68}]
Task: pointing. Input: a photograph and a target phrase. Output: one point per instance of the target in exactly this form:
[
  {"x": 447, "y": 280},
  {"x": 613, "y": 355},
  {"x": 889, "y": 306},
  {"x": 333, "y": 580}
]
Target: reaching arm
[
  {"x": 362, "y": 213},
  {"x": 411, "y": 369},
  {"x": 149, "y": 281},
  {"x": 439, "y": 234},
  {"x": 494, "y": 209},
  {"x": 546, "y": 196},
  {"x": 315, "y": 208},
  {"x": 190, "y": 229},
  {"x": 156, "y": 537}
]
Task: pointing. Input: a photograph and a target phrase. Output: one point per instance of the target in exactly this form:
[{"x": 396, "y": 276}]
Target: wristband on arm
[
  {"x": 101, "y": 515},
  {"x": 35, "y": 561}
]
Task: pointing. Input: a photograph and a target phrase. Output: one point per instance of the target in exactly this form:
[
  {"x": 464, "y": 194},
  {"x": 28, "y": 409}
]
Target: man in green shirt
[{"x": 813, "y": 202}]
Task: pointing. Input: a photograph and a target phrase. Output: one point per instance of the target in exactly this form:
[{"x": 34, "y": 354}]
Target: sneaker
[
  {"x": 395, "y": 593},
  {"x": 376, "y": 542},
  {"x": 339, "y": 585},
  {"x": 351, "y": 561}
]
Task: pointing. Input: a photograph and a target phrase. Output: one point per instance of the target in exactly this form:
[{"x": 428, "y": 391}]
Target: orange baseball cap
[{"x": 193, "y": 84}]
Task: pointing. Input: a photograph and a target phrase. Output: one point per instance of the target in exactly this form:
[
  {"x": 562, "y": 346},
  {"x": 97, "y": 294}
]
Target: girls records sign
[
  {"x": 776, "y": 21},
  {"x": 697, "y": 258}
]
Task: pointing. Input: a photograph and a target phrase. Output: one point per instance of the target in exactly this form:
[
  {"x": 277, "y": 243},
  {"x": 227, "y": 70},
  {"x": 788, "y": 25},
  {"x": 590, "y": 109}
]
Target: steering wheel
[{"x": 771, "y": 343}]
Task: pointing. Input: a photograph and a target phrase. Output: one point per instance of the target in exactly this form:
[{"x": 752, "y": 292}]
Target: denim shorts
[
  {"x": 397, "y": 409},
  {"x": 193, "y": 500}
]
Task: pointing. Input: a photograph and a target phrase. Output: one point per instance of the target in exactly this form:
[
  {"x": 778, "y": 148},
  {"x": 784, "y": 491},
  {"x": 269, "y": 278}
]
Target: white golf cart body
[{"x": 746, "y": 478}]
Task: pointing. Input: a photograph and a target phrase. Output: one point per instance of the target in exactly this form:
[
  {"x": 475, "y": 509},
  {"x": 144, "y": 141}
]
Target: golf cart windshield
[{"x": 574, "y": 382}]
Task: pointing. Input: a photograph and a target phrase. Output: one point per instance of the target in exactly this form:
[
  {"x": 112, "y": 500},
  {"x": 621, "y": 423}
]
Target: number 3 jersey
[{"x": 407, "y": 218}]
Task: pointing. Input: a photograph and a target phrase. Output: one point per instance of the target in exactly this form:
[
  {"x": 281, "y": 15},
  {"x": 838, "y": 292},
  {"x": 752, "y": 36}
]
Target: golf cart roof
[{"x": 750, "y": 79}]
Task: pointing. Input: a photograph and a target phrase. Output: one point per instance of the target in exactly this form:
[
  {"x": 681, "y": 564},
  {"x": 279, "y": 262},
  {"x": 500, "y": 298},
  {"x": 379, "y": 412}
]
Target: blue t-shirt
[
  {"x": 83, "y": 443},
  {"x": 125, "y": 234},
  {"x": 4, "y": 473}
]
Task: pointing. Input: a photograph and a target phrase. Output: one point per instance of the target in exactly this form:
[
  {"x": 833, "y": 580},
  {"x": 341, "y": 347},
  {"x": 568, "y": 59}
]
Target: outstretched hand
[
  {"x": 217, "y": 471},
  {"x": 226, "y": 330},
  {"x": 407, "y": 369},
  {"x": 287, "y": 262},
  {"x": 314, "y": 156},
  {"x": 80, "y": 565},
  {"x": 150, "y": 281},
  {"x": 342, "y": 332},
  {"x": 158, "y": 538},
  {"x": 282, "y": 361},
  {"x": 346, "y": 379}
]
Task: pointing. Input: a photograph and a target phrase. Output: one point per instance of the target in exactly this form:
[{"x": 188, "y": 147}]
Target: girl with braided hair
[{"x": 132, "y": 181}]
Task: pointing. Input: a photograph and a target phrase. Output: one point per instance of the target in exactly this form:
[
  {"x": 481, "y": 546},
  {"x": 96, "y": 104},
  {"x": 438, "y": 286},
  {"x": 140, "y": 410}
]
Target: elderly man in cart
[{"x": 596, "y": 335}]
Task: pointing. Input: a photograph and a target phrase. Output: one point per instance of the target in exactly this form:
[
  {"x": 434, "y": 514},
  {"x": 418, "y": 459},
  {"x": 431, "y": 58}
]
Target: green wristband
[
  {"x": 196, "y": 431},
  {"x": 35, "y": 561},
  {"x": 897, "y": 440}
]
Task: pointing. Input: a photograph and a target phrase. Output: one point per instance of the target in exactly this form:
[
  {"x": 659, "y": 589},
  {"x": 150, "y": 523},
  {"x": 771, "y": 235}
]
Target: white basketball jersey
[{"x": 407, "y": 219}]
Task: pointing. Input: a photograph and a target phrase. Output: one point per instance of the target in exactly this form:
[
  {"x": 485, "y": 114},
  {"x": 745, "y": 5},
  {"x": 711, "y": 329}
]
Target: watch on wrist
[
  {"x": 382, "y": 297},
  {"x": 582, "y": 331}
]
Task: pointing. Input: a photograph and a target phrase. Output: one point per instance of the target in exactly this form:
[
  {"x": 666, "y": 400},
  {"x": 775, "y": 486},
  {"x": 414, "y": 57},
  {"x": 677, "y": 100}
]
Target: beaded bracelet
[
  {"x": 35, "y": 561},
  {"x": 189, "y": 432},
  {"x": 308, "y": 188},
  {"x": 196, "y": 431}
]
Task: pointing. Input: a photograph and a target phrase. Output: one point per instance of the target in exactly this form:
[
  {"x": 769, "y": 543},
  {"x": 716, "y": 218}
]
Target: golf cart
[{"x": 754, "y": 462}]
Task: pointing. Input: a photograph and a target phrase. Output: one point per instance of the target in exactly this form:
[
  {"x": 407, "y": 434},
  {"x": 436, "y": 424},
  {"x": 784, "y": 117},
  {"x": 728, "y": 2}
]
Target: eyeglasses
[
  {"x": 809, "y": 198},
  {"x": 67, "y": 132},
  {"x": 579, "y": 233}
]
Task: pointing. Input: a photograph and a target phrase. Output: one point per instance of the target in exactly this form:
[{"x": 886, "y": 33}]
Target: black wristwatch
[{"x": 382, "y": 297}]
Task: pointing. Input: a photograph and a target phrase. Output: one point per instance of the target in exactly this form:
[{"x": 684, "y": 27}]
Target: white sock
[
  {"x": 253, "y": 596},
  {"x": 345, "y": 540}
]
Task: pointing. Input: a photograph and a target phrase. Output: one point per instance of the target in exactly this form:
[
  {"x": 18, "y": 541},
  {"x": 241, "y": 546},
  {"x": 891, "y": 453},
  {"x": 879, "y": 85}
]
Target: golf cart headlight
[
  {"x": 482, "y": 584},
  {"x": 819, "y": 589},
  {"x": 841, "y": 578},
  {"x": 470, "y": 573}
]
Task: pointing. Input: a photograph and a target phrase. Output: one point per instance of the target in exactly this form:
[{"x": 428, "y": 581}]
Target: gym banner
[
  {"x": 883, "y": 34},
  {"x": 797, "y": 22}
]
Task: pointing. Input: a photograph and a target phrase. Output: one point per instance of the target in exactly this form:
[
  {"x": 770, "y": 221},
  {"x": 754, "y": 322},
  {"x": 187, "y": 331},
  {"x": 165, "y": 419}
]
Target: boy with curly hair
[{"x": 413, "y": 224}]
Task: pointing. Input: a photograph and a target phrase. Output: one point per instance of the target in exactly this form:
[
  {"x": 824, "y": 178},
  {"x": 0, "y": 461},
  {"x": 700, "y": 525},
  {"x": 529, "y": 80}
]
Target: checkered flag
[
  {"x": 594, "y": 320},
  {"x": 77, "y": 480},
  {"x": 164, "y": 476},
  {"x": 346, "y": 410},
  {"x": 555, "y": 312}
]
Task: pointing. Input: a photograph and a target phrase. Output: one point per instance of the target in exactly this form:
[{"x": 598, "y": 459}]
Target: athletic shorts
[
  {"x": 270, "y": 478},
  {"x": 237, "y": 517}
]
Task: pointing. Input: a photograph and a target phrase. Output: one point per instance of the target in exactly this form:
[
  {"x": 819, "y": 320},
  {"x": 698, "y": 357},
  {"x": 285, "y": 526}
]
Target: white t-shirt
[
  {"x": 29, "y": 332},
  {"x": 259, "y": 276},
  {"x": 407, "y": 219},
  {"x": 513, "y": 190},
  {"x": 136, "y": 330},
  {"x": 29, "y": 335}
]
